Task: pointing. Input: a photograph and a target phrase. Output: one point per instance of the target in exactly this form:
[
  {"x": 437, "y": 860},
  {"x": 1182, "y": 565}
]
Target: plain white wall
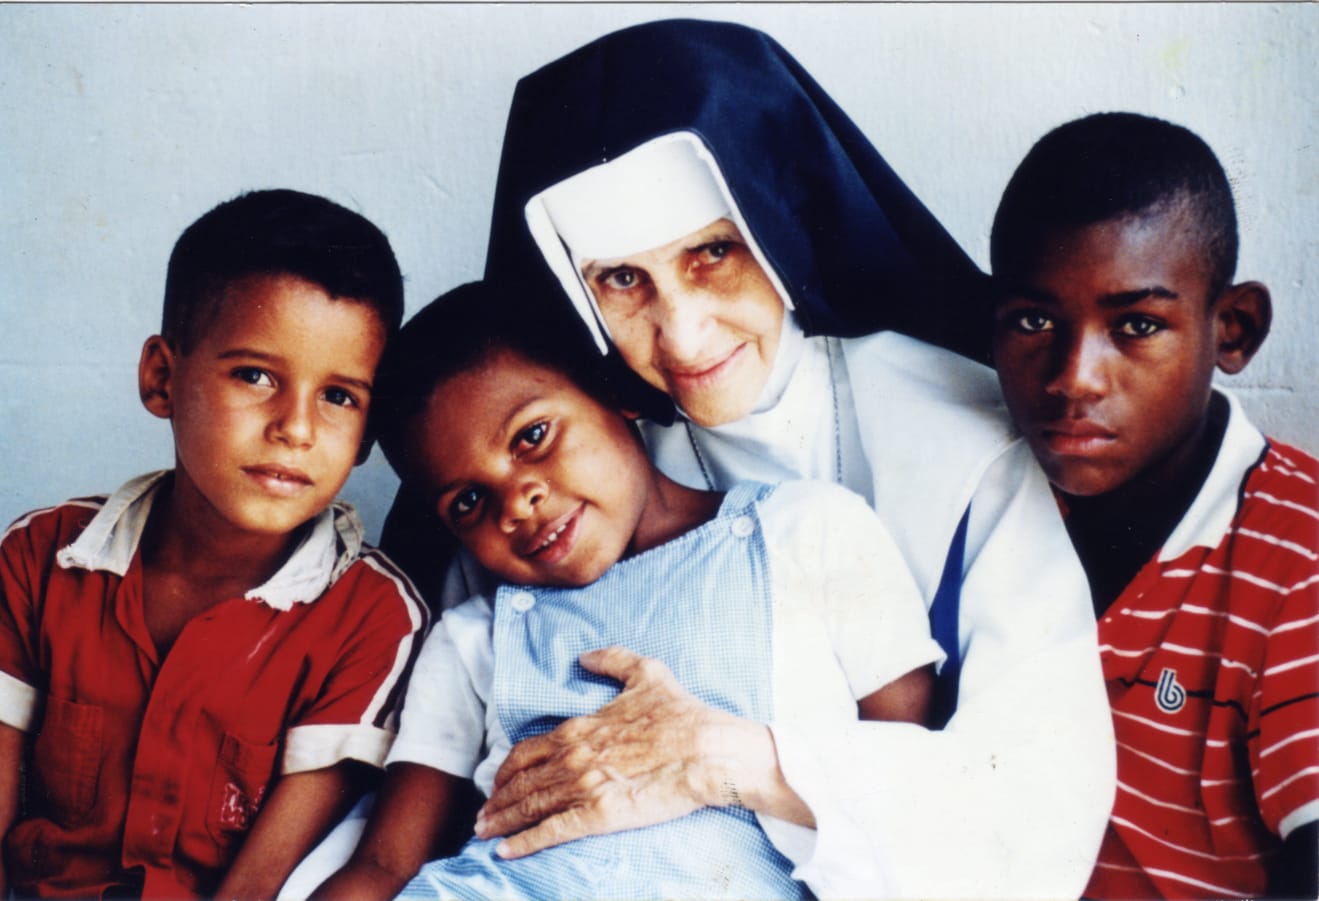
[{"x": 119, "y": 125}]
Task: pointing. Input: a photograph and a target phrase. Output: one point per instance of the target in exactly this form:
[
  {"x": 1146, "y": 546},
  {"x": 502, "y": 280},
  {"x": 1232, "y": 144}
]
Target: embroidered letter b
[{"x": 1169, "y": 695}]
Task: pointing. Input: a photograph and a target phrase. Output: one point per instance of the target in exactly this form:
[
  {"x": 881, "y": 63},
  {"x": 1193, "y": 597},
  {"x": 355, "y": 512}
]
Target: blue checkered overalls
[{"x": 701, "y": 604}]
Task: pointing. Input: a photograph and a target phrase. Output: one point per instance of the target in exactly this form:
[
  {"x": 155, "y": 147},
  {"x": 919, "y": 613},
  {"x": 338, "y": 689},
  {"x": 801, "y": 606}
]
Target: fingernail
[
  {"x": 480, "y": 825},
  {"x": 502, "y": 849}
]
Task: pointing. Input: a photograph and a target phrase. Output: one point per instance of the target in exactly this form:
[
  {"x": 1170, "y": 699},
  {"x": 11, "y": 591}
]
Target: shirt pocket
[
  {"x": 243, "y": 773},
  {"x": 67, "y": 764}
]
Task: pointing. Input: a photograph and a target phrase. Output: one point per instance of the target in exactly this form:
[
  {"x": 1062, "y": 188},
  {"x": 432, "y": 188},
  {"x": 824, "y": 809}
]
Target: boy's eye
[
  {"x": 1139, "y": 326},
  {"x": 533, "y": 435},
  {"x": 253, "y": 376},
  {"x": 341, "y": 398},
  {"x": 464, "y": 503},
  {"x": 1031, "y": 322}
]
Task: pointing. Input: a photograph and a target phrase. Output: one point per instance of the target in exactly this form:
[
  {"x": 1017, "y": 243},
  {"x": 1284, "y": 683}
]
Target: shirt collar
[
  {"x": 1210, "y": 514},
  {"x": 330, "y": 546}
]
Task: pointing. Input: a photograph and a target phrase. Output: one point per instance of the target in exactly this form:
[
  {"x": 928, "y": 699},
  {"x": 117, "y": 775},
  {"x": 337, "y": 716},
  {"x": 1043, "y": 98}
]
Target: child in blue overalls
[{"x": 764, "y": 601}]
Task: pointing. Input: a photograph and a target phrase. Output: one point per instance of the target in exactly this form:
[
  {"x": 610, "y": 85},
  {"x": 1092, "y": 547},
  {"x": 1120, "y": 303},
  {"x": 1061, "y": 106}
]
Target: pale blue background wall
[{"x": 121, "y": 124}]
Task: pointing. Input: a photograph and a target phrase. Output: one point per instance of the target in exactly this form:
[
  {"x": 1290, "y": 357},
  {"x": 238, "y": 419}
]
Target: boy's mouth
[
  {"x": 552, "y": 542},
  {"x": 1075, "y": 437},
  {"x": 284, "y": 481}
]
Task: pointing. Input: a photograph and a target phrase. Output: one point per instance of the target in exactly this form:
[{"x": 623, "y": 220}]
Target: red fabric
[
  {"x": 1211, "y": 763},
  {"x": 164, "y": 765}
]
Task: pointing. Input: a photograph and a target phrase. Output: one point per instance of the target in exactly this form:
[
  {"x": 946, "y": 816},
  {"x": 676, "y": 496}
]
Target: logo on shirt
[{"x": 1169, "y": 694}]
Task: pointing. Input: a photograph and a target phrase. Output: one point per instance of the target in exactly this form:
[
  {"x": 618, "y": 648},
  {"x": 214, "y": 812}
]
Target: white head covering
[{"x": 650, "y": 196}]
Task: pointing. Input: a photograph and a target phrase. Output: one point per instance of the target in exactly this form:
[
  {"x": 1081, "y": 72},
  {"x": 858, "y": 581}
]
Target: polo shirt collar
[
  {"x": 1211, "y": 513},
  {"x": 330, "y": 546}
]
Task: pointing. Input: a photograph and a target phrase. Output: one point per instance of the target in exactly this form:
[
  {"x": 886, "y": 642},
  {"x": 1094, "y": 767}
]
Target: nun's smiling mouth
[
  {"x": 722, "y": 389},
  {"x": 704, "y": 375}
]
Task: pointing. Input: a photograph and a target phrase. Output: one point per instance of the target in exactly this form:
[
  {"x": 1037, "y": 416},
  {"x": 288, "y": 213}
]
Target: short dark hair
[
  {"x": 277, "y": 232},
  {"x": 462, "y": 329},
  {"x": 1114, "y": 165}
]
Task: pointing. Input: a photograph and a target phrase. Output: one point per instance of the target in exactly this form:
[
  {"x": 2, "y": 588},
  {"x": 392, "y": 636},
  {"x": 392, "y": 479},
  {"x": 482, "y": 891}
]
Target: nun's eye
[
  {"x": 620, "y": 279},
  {"x": 714, "y": 251}
]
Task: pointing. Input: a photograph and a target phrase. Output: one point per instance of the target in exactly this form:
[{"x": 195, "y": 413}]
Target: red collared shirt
[
  {"x": 164, "y": 764},
  {"x": 1212, "y": 660}
]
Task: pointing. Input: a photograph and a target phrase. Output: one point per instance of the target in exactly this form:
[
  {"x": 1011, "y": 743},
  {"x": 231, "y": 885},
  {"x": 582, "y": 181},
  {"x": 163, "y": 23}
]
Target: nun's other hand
[{"x": 653, "y": 754}]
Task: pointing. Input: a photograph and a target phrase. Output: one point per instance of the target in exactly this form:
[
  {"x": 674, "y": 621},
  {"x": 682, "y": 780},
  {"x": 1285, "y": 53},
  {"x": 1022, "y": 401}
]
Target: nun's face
[{"x": 696, "y": 318}]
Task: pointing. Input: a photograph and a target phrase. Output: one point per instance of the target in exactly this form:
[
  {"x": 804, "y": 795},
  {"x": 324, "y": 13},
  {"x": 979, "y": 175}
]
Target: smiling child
[
  {"x": 1114, "y": 248},
  {"x": 195, "y": 662},
  {"x": 763, "y": 601}
]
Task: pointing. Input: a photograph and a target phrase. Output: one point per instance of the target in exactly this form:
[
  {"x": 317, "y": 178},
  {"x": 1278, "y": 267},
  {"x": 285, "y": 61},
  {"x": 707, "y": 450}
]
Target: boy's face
[
  {"x": 539, "y": 481},
  {"x": 1106, "y": 347},
  {"x": 697, "y": 318},
  {"x": 269, "y": 407}
]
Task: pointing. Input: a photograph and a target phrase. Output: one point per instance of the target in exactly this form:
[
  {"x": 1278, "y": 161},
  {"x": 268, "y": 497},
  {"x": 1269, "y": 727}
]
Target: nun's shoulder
[
  {"x": 923, "y": 369},
  {"x": 920, "y": 389}
]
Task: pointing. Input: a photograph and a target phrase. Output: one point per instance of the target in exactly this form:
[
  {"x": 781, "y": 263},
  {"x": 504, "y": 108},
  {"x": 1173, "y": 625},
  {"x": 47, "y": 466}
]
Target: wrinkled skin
[{"x": 653, "y": 754}]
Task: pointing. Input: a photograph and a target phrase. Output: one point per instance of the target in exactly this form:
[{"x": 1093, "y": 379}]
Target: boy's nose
[
  {"x": 1082, "y": 369},
  {"x": 521, "y": 501},
  {"x": 295, "y": 423}
]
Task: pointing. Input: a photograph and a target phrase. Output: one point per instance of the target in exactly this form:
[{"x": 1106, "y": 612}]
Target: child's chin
[
  {"x": 574, "y": 577},
  {"x": 575, "y": 580},
  {"x": 1083, "y": 481},
  {"x": 549, "y": 578}
]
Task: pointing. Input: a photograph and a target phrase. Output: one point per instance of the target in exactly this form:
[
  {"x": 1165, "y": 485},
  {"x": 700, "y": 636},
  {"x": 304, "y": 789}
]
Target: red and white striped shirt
[{"x": 1211, "y": 655}]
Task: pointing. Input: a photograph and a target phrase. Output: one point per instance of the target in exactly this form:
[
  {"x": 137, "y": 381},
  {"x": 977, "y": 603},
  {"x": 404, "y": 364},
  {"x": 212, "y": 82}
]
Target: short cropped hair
[
  {"x": 1111, "y": 166},
  {"x": 277, "y": 232},
  {"x": 463, "y": 329}
]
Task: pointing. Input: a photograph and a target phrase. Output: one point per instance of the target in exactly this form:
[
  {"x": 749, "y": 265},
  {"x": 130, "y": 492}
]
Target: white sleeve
[
  {"x": 444, "y": 712},
  {"x": 841, "y": 589},
  {"x": 1011, "y": 799},
  {"x": 848, "y": 617}
]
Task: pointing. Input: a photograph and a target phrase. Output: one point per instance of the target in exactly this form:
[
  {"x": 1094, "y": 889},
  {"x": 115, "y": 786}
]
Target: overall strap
[
  {"x": 744, "y": 495},
  {"x": 944, "y": 614}
]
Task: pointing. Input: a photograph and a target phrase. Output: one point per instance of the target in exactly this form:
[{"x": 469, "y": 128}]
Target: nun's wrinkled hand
[{"x": 653, "y": 754}]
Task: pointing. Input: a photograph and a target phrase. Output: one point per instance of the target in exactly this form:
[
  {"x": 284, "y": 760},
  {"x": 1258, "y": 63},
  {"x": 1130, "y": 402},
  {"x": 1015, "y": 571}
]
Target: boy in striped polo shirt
[{"x": 1113, "y": 252}]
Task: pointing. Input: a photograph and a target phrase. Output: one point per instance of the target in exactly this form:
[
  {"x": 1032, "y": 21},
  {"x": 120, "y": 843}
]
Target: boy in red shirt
[
  {"x": 1113, "y": 251},
  {"x": 191, "y": 666}
]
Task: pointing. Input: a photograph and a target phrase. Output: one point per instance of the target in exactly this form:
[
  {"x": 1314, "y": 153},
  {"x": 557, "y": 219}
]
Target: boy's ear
[
  {"x": 155, "y": 375},
  {"x": 1242, "y": 316}
]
